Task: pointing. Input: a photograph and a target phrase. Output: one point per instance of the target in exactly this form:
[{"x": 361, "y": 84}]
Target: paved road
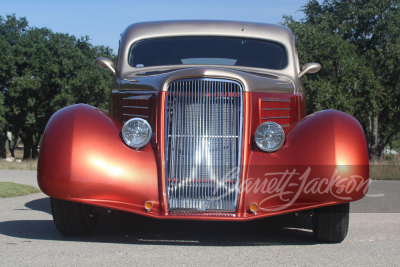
[
  {"x": 28, "y": 237},
  {"x": 21, "y": 177}
]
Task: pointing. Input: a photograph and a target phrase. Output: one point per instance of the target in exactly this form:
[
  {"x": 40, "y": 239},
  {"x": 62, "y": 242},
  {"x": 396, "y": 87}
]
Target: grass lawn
[
  {"x": 384, "y": 172},
  {"x": 26, "y": 165},
  {"x": 388, "y": 169},
  {"x": 8, "y": 189}
]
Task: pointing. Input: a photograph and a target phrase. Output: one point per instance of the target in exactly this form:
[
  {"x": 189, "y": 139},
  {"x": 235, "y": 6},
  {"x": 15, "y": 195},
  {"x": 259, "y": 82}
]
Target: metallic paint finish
[
  {"x": 248, "y": 109},
  {"x": 321, "y": 141},
  {"x": 104, "y": 62},
  {"x": 276, "y": 110},
  {"x": 251, "y": 81},
  {"x": 83, "y": 157},
  {"x": 97, "y": 168},
  {"x": 311, "y": 67},
  {"x": 266, "y": 101},
  {"x": 117, "y": 109},
  {"x": 324, "y": 142},
  {"x": 162, "y": 188},
  {"x": 153, "y": 78},
  {"x": 138, "y": 106},
  {"x": 160, "y": 29}
]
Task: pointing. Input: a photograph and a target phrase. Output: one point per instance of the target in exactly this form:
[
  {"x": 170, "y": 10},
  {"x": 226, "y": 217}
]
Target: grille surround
[{"x": 203, "y": 133}]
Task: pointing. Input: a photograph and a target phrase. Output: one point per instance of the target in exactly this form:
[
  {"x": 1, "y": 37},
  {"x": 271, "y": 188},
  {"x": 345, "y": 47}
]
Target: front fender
[
  {"x": 83, "y": 158},
  {"x": 328, "y": 156}
]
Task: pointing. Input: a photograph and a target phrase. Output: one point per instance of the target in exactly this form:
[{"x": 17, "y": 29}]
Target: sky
[{"x": 103, "y": 21}]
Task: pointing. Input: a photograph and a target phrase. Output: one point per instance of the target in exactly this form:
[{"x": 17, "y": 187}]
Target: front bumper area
[{"x": 84, "y": 159}]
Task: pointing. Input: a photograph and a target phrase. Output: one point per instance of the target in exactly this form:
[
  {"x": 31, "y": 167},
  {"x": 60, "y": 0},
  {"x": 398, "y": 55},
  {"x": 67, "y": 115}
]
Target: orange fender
[{"x": 83, "y": 158}]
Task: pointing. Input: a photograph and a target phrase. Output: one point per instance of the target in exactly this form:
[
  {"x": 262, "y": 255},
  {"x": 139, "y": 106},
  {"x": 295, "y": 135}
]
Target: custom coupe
[{"x": 207, "y": 121}]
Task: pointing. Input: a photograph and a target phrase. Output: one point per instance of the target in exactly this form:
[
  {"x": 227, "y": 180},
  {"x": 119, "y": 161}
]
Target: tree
[
  {"x": 357, "y": 43},
  {"x": 11, "y": 29},
  {"x": 52, "y": 70},
  {"x": 2, "y": 127},
  {"x": 92, "y": 85}
]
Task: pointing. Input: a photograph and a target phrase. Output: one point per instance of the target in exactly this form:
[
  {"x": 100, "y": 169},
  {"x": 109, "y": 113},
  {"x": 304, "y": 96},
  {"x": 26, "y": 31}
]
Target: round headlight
[
  {"x": 136, "y": 132},
  {"x": 269, "y": 136}
]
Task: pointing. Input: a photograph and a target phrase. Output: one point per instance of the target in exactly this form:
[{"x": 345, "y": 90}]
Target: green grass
[
  {"x": 27, "y": 165},
  {"x": 387, "y": 169},
  {"x": 384, "y": 172},
  {"x": 8, "y": 189}
]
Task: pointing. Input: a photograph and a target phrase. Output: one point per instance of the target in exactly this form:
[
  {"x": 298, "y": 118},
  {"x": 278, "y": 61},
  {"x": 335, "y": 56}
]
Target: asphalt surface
[
  {"x": 21, "y": 177},
  {"x": 28, "y": 236}
]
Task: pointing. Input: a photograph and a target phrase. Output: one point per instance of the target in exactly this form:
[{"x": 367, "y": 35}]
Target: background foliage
[
  {"x": 357, "y": 43},
  {"x": 42, "y": 72}
]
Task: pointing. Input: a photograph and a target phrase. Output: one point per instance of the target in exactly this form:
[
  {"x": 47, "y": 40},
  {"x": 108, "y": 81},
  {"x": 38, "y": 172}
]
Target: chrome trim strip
[
  {"x": 214, "y": 136},
  {"x": 284, "y": 117},
  {"x": 135, "y": 107},
  {"x": 203, "y": 129},
  {"x": 285, "y": 125},
  {"x": 138, "y": 97},
  {"x": 143, "y": 116},
  {"x": 197, "y": 213},
  {"x": 275, "y": 100},
  {"x": 275, "y": 109}
]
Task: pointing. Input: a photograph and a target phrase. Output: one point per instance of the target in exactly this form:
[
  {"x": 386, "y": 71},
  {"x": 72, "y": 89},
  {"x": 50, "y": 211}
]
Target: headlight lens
[
  {"x": 269, "y": 136},
  {"x": 136, "y": 132}
]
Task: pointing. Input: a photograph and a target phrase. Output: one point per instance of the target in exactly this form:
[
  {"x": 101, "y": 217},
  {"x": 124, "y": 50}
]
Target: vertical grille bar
[{"x": 203, "y": 144}]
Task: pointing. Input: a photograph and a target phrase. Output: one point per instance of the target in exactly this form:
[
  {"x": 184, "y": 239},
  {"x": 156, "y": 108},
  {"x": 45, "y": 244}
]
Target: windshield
[{"x": 207, "y": 51}]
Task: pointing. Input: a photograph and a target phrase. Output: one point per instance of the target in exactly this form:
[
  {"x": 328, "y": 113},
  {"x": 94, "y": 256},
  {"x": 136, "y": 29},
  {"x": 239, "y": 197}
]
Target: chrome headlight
[
  {"x": 136, "y": 133},
  {"x": 269, "y": 136}
]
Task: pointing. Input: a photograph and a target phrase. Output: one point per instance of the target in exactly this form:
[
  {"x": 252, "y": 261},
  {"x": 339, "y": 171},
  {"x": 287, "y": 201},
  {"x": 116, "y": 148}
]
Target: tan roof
[{"x": 157, "y": 29}]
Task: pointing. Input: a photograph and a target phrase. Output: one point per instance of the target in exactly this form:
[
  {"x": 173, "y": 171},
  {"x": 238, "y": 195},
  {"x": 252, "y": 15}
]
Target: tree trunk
[
  {"x": 3, "y": 141},
  {"x": 374, "y": 153},
  {"x": 11, "y": 148},
  {"x": 13, "y": 145},
  {"x": 35, "y": 146},
  {"x": 28, "y": 142},
  {"x": 27, "y": 151},
  {"x": 35, "y": 150}
]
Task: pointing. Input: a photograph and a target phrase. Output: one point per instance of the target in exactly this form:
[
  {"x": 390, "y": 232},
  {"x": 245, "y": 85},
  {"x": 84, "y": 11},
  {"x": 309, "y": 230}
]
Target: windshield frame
[{"x": 214, "y": 37}]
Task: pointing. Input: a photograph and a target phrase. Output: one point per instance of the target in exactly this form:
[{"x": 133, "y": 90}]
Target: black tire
[
  {"x": 72, "y": 218},
  {"x": 331, "y": 224}
]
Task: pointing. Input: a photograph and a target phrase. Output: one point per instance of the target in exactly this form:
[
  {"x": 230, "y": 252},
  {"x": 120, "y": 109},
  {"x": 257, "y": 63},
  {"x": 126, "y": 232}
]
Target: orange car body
[{"x": 323, "y": 161}]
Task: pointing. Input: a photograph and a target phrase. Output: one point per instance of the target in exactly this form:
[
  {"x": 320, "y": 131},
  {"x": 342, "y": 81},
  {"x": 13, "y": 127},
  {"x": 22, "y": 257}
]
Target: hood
[{"x": 157, "y": 79}]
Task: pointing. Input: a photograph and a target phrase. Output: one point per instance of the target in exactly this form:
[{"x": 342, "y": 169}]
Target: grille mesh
[{"x": 203, "y": 144}]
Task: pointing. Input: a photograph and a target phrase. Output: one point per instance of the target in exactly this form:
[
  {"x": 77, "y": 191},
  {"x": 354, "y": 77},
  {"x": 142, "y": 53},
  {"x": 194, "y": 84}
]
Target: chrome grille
[{"x": 203, "y": 144}]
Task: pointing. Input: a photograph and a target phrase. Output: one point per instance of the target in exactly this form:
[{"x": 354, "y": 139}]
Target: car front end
[{"x": 207, "y": 122}]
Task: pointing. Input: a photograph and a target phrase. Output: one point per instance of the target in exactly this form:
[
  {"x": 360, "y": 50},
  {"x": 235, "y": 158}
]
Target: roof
[
  {"x": 156, "y": 29},
  {"x": 159, "y": 29}
]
